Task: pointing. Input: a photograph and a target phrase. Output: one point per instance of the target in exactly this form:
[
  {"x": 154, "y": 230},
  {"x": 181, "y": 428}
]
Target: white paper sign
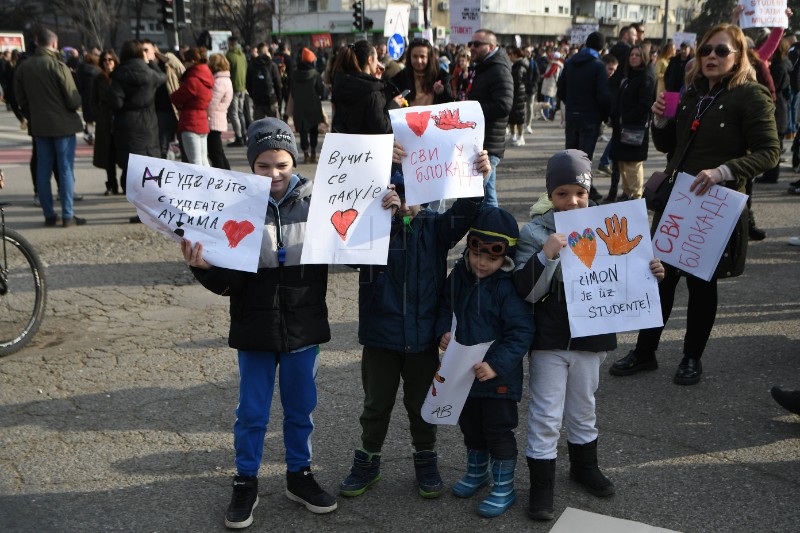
[
  {"x": 442, "y": 142},
  {"x": 452, "y": 381},
  {"x": 222, "y": 209},
  {"x": 465, "y": 20},
  {"x": 606, "y": 269},
  {"x": 579, "y": 32},
  {"x": 694, "y": 230},
  {"x": 763, "y": 14},
  {"x": 347, "y": 223},
  {"x": 680, "y": 37},
  {"x": 572, "y": 520},
  {"x": 396, "y": 19}
]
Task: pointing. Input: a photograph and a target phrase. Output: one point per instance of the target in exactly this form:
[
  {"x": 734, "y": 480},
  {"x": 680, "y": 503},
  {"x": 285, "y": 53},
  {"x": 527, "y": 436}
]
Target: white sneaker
[
  {"x": 794, "y": 241},
  {"x": 520, "y": 141},
  {"x": 528, "y": 129}
]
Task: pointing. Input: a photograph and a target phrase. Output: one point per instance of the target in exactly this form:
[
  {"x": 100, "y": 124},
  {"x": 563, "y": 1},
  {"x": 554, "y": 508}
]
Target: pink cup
[{"x": 671, "y": 100}]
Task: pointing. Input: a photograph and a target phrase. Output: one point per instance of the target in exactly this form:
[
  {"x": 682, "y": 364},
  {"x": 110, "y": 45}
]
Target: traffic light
[
  {"x": 182, "y": 14},
  {"x": 358, "y": 15},
  {"x": 368, "y": 24},
  {"x": 168, "y": 13}
]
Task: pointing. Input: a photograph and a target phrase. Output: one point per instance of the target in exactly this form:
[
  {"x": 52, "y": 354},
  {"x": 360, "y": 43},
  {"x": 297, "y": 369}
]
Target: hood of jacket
[
  {"x": 581, "y": 58},
  {"x": 349, "y": 88},
  {"x": 202, "y": 74},
  {"x": 304, "y": 72}
]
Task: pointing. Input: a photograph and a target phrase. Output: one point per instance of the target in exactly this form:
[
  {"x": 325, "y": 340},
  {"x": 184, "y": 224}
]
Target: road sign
[{"x": 396, "y": 46}]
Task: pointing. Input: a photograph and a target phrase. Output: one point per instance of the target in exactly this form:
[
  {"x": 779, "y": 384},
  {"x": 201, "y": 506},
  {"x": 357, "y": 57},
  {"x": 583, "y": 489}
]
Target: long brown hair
[
  {"x": 113, "y": 55},
  {"x": 742, "y": 70},
  {"x": 431, "y": 72}
]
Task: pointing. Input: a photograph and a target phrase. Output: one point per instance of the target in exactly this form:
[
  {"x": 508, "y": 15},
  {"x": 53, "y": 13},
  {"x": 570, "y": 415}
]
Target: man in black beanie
[{"x": 583, "y": 87}]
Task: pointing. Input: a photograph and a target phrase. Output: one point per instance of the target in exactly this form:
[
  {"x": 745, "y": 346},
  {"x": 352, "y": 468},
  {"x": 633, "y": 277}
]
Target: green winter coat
[
  {"x": 238, "y": 63},
  {"x": 46, "y": 91}
]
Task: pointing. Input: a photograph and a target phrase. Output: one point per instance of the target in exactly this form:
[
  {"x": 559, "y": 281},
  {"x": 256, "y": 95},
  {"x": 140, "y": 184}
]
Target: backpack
[{"x": 263, "y": 90}]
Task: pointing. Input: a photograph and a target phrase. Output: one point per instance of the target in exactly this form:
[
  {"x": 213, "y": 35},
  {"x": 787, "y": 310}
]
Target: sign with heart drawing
[
  {"x": 763, "y": 14},
  {"x": 606, "y": 269},
  {"x": 441, "y": 142},
  {"x": 347, "y": 223},
  {"x": 222, "y": 209}
]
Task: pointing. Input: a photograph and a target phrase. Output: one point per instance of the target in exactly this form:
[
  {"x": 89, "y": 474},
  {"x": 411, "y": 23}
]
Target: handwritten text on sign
[
  {"x": 694, "y": 230},
  {"x": 222, "y": 209},
  {"x": 606, "y": 269},
  {"x": 465, "y": 20},
  {"x": 347, "y": 223},
  {"x": 763, "y": 14},
  {"x": 452, "y": 381},
  {"x": 442, "y": 142}
]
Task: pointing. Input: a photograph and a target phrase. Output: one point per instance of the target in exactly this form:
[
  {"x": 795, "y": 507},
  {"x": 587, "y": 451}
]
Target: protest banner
[
  {"x": 222, "y": 209},
  {"x": 395, "y": 22},
  {"x": 442, "y": 142},
  {"x": 347, "y": 223},
  {"x": 465, "y": 20},
  {"x": 608, "y": 284},
  {"x": 763, "y": 14},
  {"x": 694, "y": 230},
  {"x": 452, "y": 381},
  {"x": 680, "y": 37},
  {"x": 579, "y": 32}
]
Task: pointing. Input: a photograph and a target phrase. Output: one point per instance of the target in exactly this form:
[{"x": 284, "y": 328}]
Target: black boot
[
  {"x": 753, "y": 231},
  {"x": 543, "y": 480},
  {"x": 583, "y": 469}
]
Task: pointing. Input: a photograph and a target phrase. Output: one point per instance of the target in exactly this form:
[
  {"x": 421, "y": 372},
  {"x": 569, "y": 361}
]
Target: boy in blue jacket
[{"x": 480, "y": 293}]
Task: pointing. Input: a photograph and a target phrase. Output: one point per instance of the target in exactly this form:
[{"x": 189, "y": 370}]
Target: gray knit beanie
[
  {"x": 568, "y": 166},
  {"x": 269, "y": 134}
]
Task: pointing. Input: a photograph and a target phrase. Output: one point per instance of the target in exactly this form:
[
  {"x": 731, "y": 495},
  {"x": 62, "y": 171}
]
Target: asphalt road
[{"x": 118, "y": 416}]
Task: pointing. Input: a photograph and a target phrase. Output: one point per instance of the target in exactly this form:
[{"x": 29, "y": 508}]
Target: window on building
[{"x": 312, "y": 6}]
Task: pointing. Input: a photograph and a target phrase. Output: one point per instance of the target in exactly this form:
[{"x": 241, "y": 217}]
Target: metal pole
[
  {"x": 666, "y": 18},
  {"x": 177, "y": 40}
]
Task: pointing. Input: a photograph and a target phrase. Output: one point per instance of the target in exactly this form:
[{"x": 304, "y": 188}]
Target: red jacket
[{"x": 192, "y": 99}]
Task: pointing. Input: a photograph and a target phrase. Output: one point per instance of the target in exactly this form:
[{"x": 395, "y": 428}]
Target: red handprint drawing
[
  {"x": 449, "y": 120},
  {"x": 436, "y": 377}
]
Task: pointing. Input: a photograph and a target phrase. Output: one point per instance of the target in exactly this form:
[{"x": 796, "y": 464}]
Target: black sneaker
[
  {"x": 788, "y": 399},
  {"x": 73, "y": 221},
  {"x": 244, "y": 499},
  {"x": 632, "y": 363},
  {"x": 301, "y": 487},
  {"x": 237, "y": 142},
  {"x": 51, "y": 221}
]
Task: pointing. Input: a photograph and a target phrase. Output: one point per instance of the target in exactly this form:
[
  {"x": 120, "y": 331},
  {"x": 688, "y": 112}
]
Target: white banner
[
  {"x": 606, "y": 269},
  {"x": 452, "y": 381},
  {"x": 763, "y": 14},
  {"x": 222, "y": 209},
  {"x": 442, "y": 142},
  {"x": 680, "y": 37},
  {"x": 579, "y": 32},
  {"x": 347, "y": 223},
  {"x": 694, "y": 230},
  {"x": 396, "y": 19},
  {"x": 465, "y": 20}
]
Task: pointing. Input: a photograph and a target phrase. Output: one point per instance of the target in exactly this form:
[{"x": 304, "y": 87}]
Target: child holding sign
[
  {"x": 397, "y": 318},
  {"x": 278, "y": 317},
  {"x": 480, "y": 293},
  {"x": 564, "y": 371}
]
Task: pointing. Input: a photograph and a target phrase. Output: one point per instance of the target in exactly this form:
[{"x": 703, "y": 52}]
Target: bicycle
[{"x": 23, "y": 289}]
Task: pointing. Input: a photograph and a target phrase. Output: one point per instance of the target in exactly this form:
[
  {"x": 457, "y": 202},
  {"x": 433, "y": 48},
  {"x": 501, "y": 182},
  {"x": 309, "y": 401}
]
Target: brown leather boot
[
  {"x": 313, "y": 155},
  {"x": 306, "y": 157}
]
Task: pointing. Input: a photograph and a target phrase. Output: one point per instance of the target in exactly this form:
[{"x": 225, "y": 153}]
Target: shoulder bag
[{"x": 659, "y": 185}]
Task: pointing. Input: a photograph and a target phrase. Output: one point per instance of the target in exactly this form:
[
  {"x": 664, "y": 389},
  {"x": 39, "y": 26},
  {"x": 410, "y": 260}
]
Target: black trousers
[
  {"x": 309, "y": 135},
  {"x": 216, "y": 153},
  {"x": 489, "y": 424}
]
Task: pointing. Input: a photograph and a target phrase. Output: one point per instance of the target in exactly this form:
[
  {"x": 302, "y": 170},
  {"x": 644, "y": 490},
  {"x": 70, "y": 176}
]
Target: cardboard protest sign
[
  {"x": 442, "y": 142},
  {"x": 680, "y": 37},
  {"x": 606, "y": 269},
  {"x": 347, "y": 223},
  {"x": 452, "y": 381},
  {"x": 763, "y": 14},
  {"x": 222, "y": 209},
  {"x": 694, "y": 230},
  {"x": 465, "y": 20}
]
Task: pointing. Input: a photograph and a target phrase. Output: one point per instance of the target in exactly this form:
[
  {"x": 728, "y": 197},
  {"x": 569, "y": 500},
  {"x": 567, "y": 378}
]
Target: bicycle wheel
[{"x": 23, "y": 292}]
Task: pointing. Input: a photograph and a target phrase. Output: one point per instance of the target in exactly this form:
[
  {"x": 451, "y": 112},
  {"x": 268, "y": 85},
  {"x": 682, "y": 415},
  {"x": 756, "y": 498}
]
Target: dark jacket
[
  {"x": 360, "y": 104},
  {"x": 675, "y": 74},
  {"x": 486, "y": 310},
  {"x": 583, "y": 87},
  {"x": 398, "y": 302},
  {"x": 519, "y": 76},
  {"x": 103, "y": 122},
  {"x": 493, "y": 88},
  {"x": 46, "y": 93},
  {"x": 192, "y": 99},
  {"x": 281, "y": 307},
  {"x": 83, "y": 80},
  {"x": 543, "y": 285},
  {"x": 738, "y": 130},
  {"x": 266, "y": 91},
  {"x": 133, "y": 90},
  {"x": 307, "y": 92},
  {"x": 780, "y": 71},
  {"x": 632, "y": 108},
  {"x": 405, "y": 80},
  {"x": 620, "y": 50}
]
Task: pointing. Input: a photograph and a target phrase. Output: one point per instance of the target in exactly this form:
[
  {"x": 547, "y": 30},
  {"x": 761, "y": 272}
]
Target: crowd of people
[{"x": 736, "y": 100}]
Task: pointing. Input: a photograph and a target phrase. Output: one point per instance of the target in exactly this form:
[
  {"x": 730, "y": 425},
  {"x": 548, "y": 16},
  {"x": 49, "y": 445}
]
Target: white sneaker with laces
[{"x": 793, "y": 241}]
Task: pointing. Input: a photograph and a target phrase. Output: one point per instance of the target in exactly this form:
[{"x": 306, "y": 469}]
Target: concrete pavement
[{"x": 118, "y": 416}]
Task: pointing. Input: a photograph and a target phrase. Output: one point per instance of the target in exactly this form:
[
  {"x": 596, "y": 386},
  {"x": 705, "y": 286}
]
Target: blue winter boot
[
  {"x": 477, "y": 475},
  {"x": 503, "y": 495},
  {"x": 366, "y": 471},
  {"x": 428, "y": 479}
]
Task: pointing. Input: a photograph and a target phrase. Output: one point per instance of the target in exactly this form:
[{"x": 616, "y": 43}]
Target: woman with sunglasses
[
  {"x": 725, "y": 127},
  {"x": 105, "y": 156}
]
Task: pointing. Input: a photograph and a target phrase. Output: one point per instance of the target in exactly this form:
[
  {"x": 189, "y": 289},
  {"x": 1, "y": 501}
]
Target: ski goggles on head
[{"x": 494, "y": 249}]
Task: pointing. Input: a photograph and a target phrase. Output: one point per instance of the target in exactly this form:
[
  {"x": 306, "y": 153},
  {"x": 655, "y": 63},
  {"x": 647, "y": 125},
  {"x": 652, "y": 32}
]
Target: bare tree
[{"x": 249, "y": 18}]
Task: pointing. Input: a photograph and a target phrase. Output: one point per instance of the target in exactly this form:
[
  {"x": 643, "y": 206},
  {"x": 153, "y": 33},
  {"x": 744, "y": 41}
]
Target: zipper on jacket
[{"x": 281, "y": 284}]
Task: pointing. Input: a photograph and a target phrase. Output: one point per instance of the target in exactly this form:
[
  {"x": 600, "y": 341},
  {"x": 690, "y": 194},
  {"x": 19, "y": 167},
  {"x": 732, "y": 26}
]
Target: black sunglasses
[
  {"x": 720, "y": 50},
  {"x": 476, "y": 43}
]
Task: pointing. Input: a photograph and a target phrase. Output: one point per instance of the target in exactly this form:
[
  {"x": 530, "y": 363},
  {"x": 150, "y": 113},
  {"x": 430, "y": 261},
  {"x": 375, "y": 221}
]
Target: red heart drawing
[
  {"x": 418, "y": 122},
  {"x": 748, "y": 13},
  {"x": 236, "y": 231},
  {"x": 342, "y": 220},
  {"x": 584, "y": 246}
]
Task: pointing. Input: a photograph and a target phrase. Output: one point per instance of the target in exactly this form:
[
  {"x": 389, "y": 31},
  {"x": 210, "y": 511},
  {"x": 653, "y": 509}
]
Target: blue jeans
[
  {"x": 489, "y": 191},
  {"x": 605, "y": 159},
  {"x": 298, "y": 397},
  {"x": 552, "y": 101},
  {"x": 62, "y": 150}
]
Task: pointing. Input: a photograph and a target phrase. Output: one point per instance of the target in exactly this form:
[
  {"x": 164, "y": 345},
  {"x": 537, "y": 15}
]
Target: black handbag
[{"x": 658, "y": 187}]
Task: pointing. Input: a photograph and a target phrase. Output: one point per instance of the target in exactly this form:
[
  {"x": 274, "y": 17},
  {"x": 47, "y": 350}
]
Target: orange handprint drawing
[
  {"x": 436, "y": 377},
  {"x": 617, "y": 237},
  {"x": 449, "y": 120}
]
